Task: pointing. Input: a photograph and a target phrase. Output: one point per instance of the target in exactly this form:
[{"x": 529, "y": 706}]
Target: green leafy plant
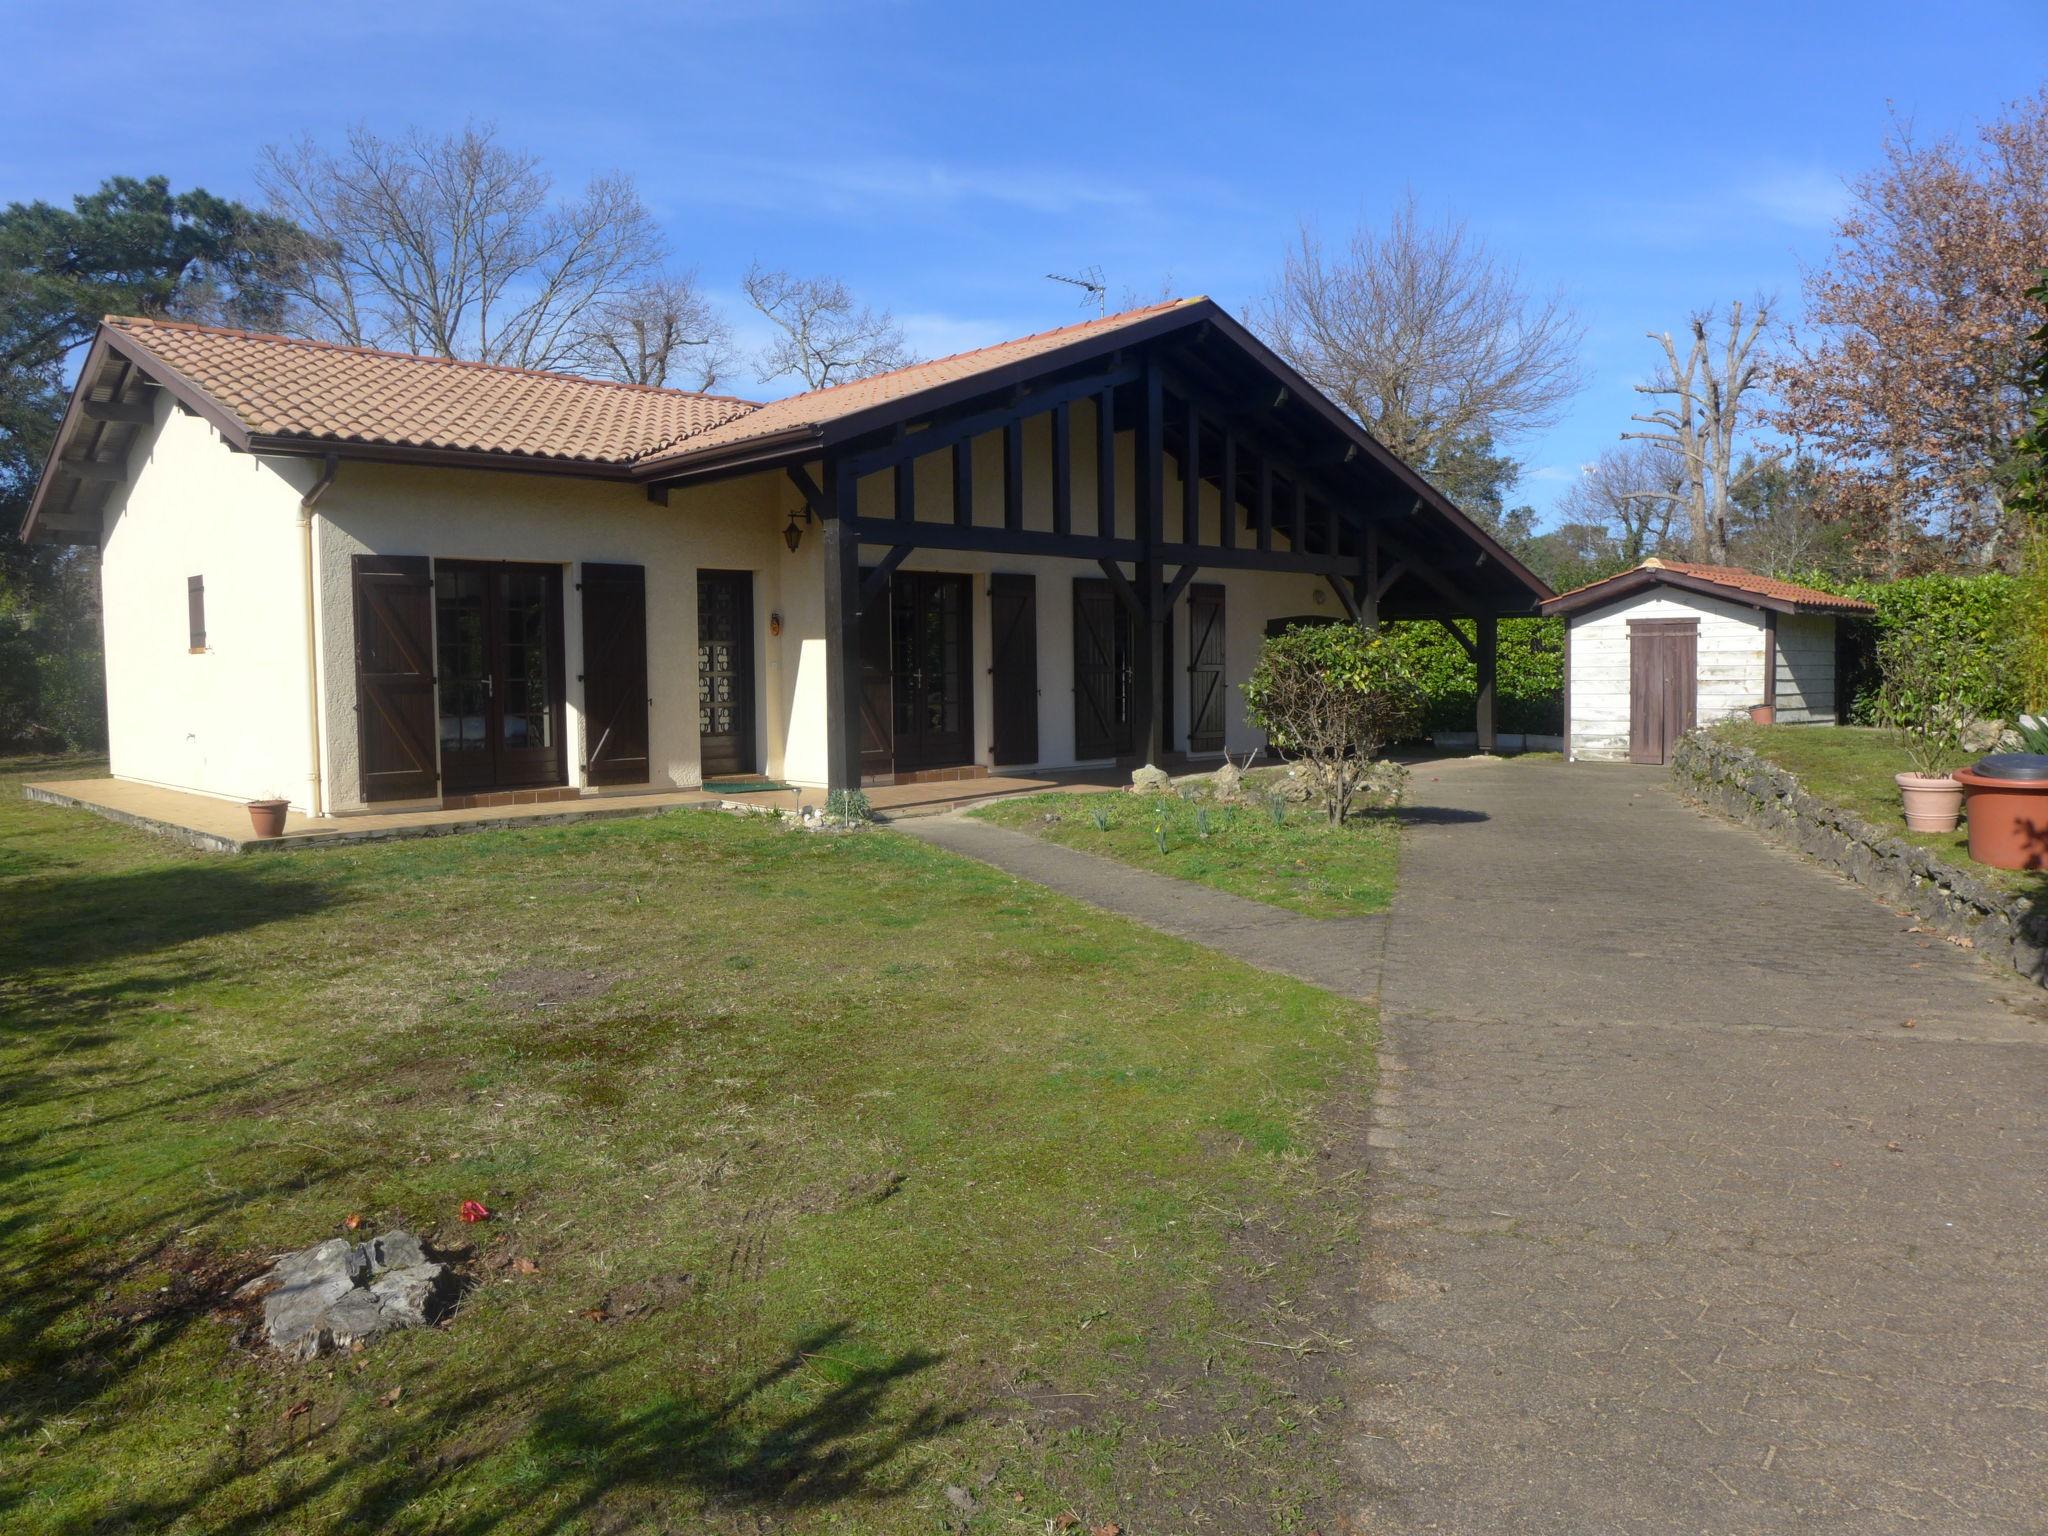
[
  {"x": 849, "y": 808},
  {"x": 1921, "y": 703},
  {"x": 1202, "y": 822},
  {"x": 1276, "y": 808},
  {"x": 2033, "y": 733},
  {"x": 1159, "y": 838},
  {"x": 1333, "y": 695},
  {"x": 1099, "y": 814}
]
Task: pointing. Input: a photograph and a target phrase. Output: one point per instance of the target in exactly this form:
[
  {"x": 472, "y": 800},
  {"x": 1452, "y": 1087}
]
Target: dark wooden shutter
[
  {"x": 395, "y": 676},
  {"x": 1102, "y": 671},
  {"x": 1013, "y": 667},
  {"x": 195, "y": 612},
  {"x": 1205, "y": 668},
  {"x": 615, "y": 674}
]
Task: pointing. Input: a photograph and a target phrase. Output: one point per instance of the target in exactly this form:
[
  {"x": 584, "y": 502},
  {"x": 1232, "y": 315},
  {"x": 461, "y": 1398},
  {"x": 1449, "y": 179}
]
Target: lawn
[
  {"x": 837, "y": 1184},
  {"x": 1287, "y": 856},
  {"x": 1852, "y": 767}
]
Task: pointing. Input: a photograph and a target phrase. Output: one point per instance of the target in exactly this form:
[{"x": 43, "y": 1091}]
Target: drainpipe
[{"x": 307, "y": 503}]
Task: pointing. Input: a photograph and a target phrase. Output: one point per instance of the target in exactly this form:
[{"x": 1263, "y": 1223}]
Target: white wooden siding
[
  {"x": 1806, "y": 669},
  {"x": 1731, "y": 665}
]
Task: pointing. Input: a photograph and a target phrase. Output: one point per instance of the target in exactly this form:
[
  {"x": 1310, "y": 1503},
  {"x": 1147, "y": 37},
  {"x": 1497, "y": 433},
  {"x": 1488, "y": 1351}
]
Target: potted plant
[
  {"x": 1916, "y": 702},
  {"x": 267, "y": 816}
]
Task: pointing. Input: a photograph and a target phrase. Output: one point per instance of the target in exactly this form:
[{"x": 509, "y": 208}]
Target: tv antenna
[{"x": 1091, "y": 285}]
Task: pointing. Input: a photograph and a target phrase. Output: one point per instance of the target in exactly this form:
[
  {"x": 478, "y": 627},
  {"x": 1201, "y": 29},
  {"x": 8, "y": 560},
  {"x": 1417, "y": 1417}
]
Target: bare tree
[
  {"x": 1632, "y": 492},
  {"x": 827, "y": 338},
  {"x": 1423, "y": 334},
  {"x": 453, "y": 244},
  {"x": 1701, "y": 419},
  {"x": 662, "y": 332}
]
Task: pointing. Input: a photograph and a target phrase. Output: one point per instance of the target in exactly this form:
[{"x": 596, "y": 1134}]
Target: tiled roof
[
  {"x": 287, "y": 387},
  {"x": 282, "y": 386},
  {"x": 1731, "y": 578}
]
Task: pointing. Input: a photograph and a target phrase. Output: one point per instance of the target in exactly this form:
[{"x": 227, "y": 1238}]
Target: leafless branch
[{"x": 826, "y": 337}]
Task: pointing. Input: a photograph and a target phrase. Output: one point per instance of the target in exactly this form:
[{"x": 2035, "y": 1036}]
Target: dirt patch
[
  {"x": 548, "y": 986},
  {"x": 860, "y": 1190},
  {"x": 641, "y": 1298},
  {"x": 178, "y": 1284}
]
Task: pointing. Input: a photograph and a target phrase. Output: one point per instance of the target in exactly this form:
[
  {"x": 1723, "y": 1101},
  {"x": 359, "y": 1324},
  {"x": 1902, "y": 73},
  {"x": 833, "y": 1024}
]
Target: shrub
[
  {"x": 1333, "y": 696},
  {"x": 1529, "y": 674},
  {"x": 1918, "y": 701},
  {"x": 1971, "y": 628}
]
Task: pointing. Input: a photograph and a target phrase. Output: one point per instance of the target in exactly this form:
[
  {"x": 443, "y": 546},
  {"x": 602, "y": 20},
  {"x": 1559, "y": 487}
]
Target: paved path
[{"x": 1680, "y": 1228}]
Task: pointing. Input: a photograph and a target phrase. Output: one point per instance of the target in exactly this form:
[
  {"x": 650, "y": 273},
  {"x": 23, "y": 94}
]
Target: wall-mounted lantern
[{"x": 793, "y": 535}]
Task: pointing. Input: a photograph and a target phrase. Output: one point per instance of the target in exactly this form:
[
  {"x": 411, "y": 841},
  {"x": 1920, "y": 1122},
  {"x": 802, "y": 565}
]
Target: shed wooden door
[
  {"x": 725, "y": 673},
  {"x": 615, "y": 673},
  {"x": 1102, "y": 671},
  {"x": 1663, "y": 685},
  {"x": 498, "y": 664},
  {"x": 394, "y": 613},
  {"x": 1013, "y": 668},
  {"x": 1205, "y": 668}
]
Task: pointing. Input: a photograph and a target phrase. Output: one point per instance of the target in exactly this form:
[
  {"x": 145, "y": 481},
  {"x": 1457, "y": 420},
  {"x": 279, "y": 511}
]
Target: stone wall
[{"x": 2009, "y": 930}]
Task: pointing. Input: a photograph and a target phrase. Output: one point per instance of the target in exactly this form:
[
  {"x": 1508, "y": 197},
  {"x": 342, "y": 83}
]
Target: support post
[
  {"x": 1148, "y": 665},
  {"x": 842, "y": 633},
  {"x": 1770, "y": 665},
  {"x": 1487, "y": 655}
]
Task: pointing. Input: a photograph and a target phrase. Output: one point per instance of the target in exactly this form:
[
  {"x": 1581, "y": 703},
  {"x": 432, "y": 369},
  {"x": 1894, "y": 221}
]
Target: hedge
[
  {"x": 1973, "y": 624},
  {"x": 1529, "y": 676}
]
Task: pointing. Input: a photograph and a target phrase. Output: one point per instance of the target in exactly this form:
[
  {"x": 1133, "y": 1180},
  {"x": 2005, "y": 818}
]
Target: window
[{"x": 195, "y": 611}]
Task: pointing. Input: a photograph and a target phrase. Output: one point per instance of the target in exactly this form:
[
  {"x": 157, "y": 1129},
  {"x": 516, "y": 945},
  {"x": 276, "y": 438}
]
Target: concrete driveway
[{"x": 1712, "y": 1199}]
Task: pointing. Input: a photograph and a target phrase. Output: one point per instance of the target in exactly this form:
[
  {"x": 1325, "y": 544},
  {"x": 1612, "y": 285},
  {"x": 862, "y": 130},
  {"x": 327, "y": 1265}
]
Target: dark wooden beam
[
  {"x": 1063, "y": 468},
  {"x": 1346, "y": 597},
  {"x": 963, "y": 483},
  {"x": 807, "y": 488},
  {"x": 948, "y": 430},
  {"x": 1125, "y": 592},
  {"x": 1770, "y": 659},
  {"x": 1151, "y": 478},
  {"x": 1464, "y": 644},
  {"x": 1033, "y": 541},
  {"x": 878, "y": 574},
  {"x": 1013, "y": 473},
  {"x": 904, "y": 477},
  {"x": 842, "y": 633},
  {"x": 1488, "y": 660},
  {"x": 1148, "y": 669},
  {"x": 1227, "y": 478},
  {"x": 1191, "y": 476},
  {"x": 1179, "y": 584},
  {"x": 136, "y": 413}
]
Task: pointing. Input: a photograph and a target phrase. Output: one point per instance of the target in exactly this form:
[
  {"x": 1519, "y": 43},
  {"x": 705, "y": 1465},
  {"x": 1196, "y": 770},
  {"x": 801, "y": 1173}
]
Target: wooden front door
[
  {"x": 1102, "y": 671},
  {"x": 1205, "y": 668},
  {"x": 1663, "y": 686},
  {"x": 1013, "y": 668},
  {"x": 930, "y": 647},
  {"x": 725, "y": 673},
  {"x": 498, "y": 649}
]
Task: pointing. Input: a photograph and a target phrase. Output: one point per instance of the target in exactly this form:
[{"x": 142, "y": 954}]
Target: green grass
[
  {"x": 682, "y": 1061},
  {"x": 1302, "y": 863},
  {"x": 1853, "y": 767}
]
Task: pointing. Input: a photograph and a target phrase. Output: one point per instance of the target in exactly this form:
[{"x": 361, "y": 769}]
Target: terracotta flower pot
[
  {"x": 1932, "y": 804},
  {"x": 267, "y": 816},
  {"x": 1763, "y": 714},
  {"x": 2008, "y": 820}
]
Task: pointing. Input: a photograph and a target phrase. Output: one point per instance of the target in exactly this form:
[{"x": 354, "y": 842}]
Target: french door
[
  {"x": 498, "y": 654},
  {"x": 725, "y": 672},
  {"x": 1103, "y": 648},
  {"x": 930, "y": 645}
]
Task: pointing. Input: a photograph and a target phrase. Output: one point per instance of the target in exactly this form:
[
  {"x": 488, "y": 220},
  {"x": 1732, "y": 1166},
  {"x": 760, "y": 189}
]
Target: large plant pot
[
  {"x": 267, "y": 816},
  {"x": 1763, "y": 714},
  {"x": 1932, "y": 804},
  {"x": 2008, "y": 820}
]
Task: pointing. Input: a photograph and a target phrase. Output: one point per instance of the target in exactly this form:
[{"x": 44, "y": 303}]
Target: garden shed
[{"x": 1660, "y": 648}]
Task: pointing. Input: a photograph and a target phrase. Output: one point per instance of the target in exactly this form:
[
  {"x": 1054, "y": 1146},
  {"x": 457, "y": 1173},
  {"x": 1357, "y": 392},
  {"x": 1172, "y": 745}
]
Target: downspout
[{"x": 315, "y": 796}]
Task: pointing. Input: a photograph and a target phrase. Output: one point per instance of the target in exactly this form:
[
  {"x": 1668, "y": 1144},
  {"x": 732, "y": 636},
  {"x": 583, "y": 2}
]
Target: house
[
  {"x": 1656, "y": 650},
  {"x": 352, "y": 578}
]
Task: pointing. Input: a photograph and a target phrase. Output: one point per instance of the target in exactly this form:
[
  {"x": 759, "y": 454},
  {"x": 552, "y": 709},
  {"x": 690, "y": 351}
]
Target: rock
[
  {"x": 1228, "y": 782},
  {"x": 1150, "y": 780},
  {"x": 1982, "y": 735},
  {"x": 337, "y": 1293}
]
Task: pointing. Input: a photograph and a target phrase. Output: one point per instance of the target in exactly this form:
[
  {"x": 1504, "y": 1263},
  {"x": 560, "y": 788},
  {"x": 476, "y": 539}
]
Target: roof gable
[{"x": 1751, "y": 588}]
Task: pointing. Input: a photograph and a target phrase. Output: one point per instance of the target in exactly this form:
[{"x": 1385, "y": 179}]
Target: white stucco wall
[
  {"x": 453, "y": 514},
  {"x": 1806, "y": 669},
  {"x": 230, "y": 720},
  {"x": 1731, "y": 665}
]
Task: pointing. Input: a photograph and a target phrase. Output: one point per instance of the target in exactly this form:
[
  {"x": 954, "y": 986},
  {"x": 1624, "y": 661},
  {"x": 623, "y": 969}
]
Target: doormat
[{"x": 741, "y": 786}]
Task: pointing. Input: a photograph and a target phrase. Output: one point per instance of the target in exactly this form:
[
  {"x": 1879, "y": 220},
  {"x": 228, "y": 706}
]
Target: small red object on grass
[{"x": 475, "y": 1210}]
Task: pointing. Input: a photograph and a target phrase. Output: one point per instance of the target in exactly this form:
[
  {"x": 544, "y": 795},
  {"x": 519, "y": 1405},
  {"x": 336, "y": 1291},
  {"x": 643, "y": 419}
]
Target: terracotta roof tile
[
  {"x": 1735, "y": 579},
  {"x": 289, "y": 387}
]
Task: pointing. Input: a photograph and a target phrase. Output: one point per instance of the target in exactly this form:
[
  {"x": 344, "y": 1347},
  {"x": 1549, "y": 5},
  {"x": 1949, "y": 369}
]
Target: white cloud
[{"x": 1809, "y": 198}]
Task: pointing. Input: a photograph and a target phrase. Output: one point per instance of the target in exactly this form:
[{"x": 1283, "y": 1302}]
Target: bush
[
  {"x": 1529, "y": 677},
  {"x": 1971, "y": 628},
  {"x": 1333, "y": 696}
]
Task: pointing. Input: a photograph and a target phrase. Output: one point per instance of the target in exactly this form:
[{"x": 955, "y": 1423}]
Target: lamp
[{"x": 794, "y": 535}]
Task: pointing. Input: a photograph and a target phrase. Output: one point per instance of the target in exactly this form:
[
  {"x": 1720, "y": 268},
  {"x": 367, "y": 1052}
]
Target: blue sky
[{"x": 942, "y": 157}]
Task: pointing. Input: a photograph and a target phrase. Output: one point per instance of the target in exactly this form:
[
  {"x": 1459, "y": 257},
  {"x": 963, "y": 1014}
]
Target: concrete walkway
[{"x": 1710, "y": 1198}]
